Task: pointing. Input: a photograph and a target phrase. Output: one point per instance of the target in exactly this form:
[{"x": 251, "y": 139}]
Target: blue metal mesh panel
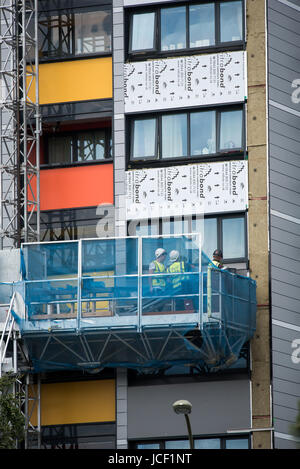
[{"x": 98, "y": 296}]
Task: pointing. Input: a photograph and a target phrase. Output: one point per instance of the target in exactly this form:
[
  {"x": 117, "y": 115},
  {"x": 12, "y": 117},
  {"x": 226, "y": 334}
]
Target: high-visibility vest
[
  {"x": 176, "y": 267},
  {"x": 159, "y": 269},
  {"x": 217, "y": 264}
]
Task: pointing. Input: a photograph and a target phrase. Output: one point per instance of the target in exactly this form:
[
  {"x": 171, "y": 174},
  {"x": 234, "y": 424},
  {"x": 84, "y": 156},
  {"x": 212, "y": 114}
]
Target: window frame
[
  {"x": 47, "y": 14},
  {"x": 133, "y": 444},
  {"x": 219, "y": 217},
  {"x": 158, "y": 160},
  {"x": 74, "y": 137},
  {"x": 188, "y": 50}
]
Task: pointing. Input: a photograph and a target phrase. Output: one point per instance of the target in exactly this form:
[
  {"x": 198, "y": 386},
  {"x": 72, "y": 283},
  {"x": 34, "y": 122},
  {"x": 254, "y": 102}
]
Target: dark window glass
[
  {"x": 142, "y": 31},
  {"x": 231, "y": 21},
  {"x": 75, "y": 33},
  {"x": 173, "y": 28},
  {"x": 60, "y": 149},
  {"x": 202, "y": 25},
  {"x": 80, "y": 147},
  {"x": 79, "y": 436}
]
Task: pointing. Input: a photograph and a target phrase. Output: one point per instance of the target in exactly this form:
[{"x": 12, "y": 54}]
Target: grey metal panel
[
  {"x": 281, "y": 443},
  {"x": 276, "y": 151},
  {"x": 284, "y": 302},
  {"x": 284, "y": 185},
  {"x": 290, "y": 277},
  {"x": 288, "y": 182},
  {"x": 291, "y": 317},
  {"x": 285, "y": 249},
  {"x": 284, "y": 142},
  {"x": 281, "y": 385},
  {"x": 283, "y": 206},
  {"x": 285, "y": 225},
  {"x": 283, "y": 10},
  {"x": 283, "y": 167},
  {"x": 285, "y": 400},
  {"x": 217, "y": 407},
  {"x": 279, "y": 371}
]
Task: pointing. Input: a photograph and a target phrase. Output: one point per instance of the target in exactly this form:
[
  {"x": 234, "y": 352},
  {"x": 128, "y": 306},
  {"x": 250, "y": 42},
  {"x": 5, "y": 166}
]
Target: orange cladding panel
[
  {"x": 78, "y": 80},
  {"x": 77, "y": 402},
  {"x": 82, "y": 186}
]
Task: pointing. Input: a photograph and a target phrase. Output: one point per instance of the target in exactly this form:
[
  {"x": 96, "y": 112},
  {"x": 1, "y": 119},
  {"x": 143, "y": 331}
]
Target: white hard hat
[
  {"x": 159, "y": 252},
  {"x": 174, "y": 255}
]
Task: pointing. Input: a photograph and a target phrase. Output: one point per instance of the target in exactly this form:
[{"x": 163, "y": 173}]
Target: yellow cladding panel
[
  {"x": 76, "y": 80},
  {"x": 77, "y": 402}
]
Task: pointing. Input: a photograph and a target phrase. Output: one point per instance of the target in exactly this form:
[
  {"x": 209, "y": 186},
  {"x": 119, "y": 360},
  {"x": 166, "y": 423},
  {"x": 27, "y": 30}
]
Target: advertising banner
[
  {"x": 198, "y": 80},
  {"x": 187, "y": 190}
]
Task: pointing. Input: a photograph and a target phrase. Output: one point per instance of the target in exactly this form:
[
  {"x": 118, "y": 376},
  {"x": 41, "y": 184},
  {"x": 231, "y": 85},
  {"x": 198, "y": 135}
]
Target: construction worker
[
  {"x": 176, "y": 266},
  {"x": 218, "y": 259},
  {"x": 157, "y": 285}
]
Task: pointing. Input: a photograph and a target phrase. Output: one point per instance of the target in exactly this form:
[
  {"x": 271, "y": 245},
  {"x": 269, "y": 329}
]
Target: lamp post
[{"x": 185, "y": 407}]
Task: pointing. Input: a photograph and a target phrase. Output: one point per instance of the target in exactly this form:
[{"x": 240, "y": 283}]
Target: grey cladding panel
[
  {"x": 291, "y": 317},
  {"x": 280, "y": 153},
  {"x": 150, "y": 413},
  {"x": 286, "y": 400},
  {"x": 284, "y": 190}
]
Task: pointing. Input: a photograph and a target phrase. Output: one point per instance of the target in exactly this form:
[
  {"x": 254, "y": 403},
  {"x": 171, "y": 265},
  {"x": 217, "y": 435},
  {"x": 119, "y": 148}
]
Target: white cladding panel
[
  {"x": 187, "y": 190},
  {"x": 197, "y": 80}
]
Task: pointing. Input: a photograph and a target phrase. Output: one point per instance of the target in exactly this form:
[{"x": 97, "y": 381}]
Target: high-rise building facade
[{"x": 158, "y": 120}]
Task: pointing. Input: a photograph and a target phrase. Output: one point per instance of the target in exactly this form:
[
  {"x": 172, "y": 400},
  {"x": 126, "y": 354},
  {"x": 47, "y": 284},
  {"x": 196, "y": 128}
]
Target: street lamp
[{"x": 185, "y": 407}]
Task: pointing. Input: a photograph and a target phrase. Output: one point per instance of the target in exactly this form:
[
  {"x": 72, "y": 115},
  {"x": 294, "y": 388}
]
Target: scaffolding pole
[{"x": 19, "y": 123}]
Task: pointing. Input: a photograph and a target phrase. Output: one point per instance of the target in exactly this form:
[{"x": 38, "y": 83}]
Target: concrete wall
[{"x": 284, "y": 174}]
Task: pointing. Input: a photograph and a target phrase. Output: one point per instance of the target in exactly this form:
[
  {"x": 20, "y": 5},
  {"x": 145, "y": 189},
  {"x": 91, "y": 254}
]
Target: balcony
[{"x": 90, "y": 304}]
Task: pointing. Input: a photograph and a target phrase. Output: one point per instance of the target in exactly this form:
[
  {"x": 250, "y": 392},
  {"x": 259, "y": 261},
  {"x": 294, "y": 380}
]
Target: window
[
  {"x": 74, "y": 32},
  {"x": 69, "y": 224},
  {"x": 193, "y": 134},
  {"x": 79, "y": 436},
  {"x": 161, "y": 30},
  {"x": 226, "y": 232},
  {"x": 65, "y": 148},
  {"x": 241, "y": 442}
]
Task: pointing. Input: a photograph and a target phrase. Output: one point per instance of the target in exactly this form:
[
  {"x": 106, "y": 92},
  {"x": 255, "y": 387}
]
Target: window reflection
[
  {"x": 202, "y": 25},
  {"x": 75, "y": 33},
  {"x": 143, "y": 31},
  {"x": 144, "y": 142},
  {"x": 94, "y": 145},
  {"x": 210, "y": 241},
  {"x": 173, "y": 28},
  {"x": 231, "y": 21},
  {"x": 177, "y": 444},
  {"x": 233, "y": 231},
  {"x": 203, "y": 133},
  {"x": 92, "y": 32},
  {"x": 174, "y": 135},
  {"x": 231, "y": 130},
  {"x": 236, "y": 443},
  {"x": 209, "y": 443}
]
